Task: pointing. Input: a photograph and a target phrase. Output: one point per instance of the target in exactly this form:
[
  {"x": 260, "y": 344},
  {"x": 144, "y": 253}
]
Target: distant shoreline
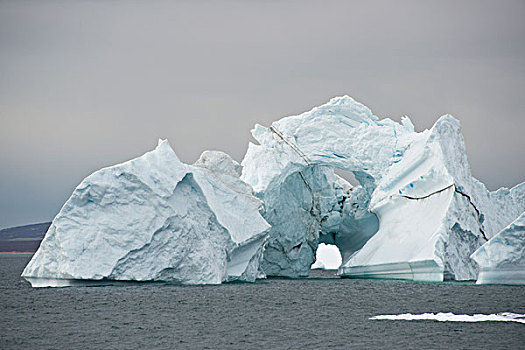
[{"x": 22, "y": 239}]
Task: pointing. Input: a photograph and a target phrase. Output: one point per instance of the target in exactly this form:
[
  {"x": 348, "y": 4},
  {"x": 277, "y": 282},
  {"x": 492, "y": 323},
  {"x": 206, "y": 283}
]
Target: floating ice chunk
[
  {"x": 450, "y": 317},
  {"x": 502, "y": 259}
]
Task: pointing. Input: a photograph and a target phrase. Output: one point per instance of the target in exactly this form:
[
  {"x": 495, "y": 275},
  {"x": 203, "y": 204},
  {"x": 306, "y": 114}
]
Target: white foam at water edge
[{"x": 450, "y": 317}]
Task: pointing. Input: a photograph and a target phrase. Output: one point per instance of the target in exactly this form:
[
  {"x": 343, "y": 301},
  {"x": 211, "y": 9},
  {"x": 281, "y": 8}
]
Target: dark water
[{"x": 317, "y": 313}]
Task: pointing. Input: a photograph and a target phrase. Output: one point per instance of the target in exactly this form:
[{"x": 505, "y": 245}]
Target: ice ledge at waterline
[{"x": 154, "y": 218}]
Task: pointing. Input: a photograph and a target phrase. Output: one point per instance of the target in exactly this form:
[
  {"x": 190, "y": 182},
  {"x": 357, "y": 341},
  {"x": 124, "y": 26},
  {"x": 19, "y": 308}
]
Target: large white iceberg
[
  {"x": 154, "y": 218},
  {"x": 502, "y": 258},
  {"x": 418, "y": 214}
]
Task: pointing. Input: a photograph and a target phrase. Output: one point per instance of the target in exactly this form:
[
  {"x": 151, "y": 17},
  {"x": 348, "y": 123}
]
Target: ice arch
[{"x": 431, "y": 213}]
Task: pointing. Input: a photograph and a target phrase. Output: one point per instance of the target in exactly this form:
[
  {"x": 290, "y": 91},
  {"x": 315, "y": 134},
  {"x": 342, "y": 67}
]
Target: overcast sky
[{"x": 87, "y": 84}]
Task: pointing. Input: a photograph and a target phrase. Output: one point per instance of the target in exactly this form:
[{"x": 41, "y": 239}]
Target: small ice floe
[{"x": 450, "y": 317}]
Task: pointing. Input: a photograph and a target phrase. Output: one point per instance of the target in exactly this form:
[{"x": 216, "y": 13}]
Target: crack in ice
[{"x": 428, "y": 195}]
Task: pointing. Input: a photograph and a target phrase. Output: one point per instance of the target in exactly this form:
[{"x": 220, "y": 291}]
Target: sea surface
[{"x": 321, "y": 312}]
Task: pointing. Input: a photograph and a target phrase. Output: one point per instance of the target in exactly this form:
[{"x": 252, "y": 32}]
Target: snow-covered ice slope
[
  {"x": 425, "y": 213},
  {"x": 155, "y": 218},
  {"x": 502, "y": 258}
]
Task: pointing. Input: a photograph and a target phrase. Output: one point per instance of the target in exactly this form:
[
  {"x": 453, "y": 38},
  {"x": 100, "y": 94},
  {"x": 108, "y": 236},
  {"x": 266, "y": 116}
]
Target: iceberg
[
  {"x": 502, "y": 258},
  {"x": 418, "y": 213},
  {"x": 154, "y": 218}
]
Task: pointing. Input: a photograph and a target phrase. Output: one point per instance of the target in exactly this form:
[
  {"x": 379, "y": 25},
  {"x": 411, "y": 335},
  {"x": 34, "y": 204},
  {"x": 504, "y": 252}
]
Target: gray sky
[{"x": 88, "y": 84}]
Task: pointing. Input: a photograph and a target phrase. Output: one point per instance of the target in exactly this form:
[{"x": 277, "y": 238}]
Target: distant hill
[{"x": 22, "y": 238}]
